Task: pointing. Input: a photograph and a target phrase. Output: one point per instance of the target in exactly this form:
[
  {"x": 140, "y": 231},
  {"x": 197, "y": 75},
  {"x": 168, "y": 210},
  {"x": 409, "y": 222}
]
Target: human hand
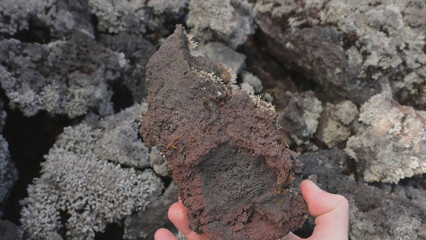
[{"x": 331, "y": 214}]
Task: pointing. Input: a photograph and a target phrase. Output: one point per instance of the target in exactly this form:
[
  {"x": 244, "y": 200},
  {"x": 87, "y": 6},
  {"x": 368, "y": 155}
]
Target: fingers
[
  {"x": 178, "y": 216},
  {"x": 331, "y": 212},
  {"x": 164, "y": 234}
]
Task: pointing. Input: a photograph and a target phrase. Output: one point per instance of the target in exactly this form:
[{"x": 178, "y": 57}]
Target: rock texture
[
  {"x": 229, "y": 21},
  {"x": 337, "y": 123},
  {"x": 350, "y": 47},
  {"x": 143, "y": 224},
  {"x": 136, "y": 16},
  {"x": 137, "y": 51},
  {"x": 373, "y": 213},
  {"x": 8, "y": 172},
  {"x": 87, "y": 179},
  {"x": 63, "y": 77},
  {"x": 300, "y": 117},
  {"x": 391, "y": 143},
  {"x": 233, "y": 172},
  {"x": 52, "y": 18}
]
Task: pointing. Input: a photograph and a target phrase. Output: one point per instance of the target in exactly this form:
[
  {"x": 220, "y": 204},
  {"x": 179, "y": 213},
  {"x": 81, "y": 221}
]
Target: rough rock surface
[
  {"x": 136, "y": 16},
  {"x": 226, "y": 20},
  {"x": 8, "y": 172},
  {"x": 9, "y": 231},
  {"x": 83, "y": 180},
  {"x": 391, "y": 143},
  {"x": 59, "y": 17},
  {"x": 144, "y": 223},
  {"x": 373, "y": 213},
  {"x": 63, "y": 77},
  {"x": 137, "y": 51},
  {"x": 300, "y": 117},
  {"x": 350, "y": 47},
  {"x": 336, "y": 123},
  {"x": 218, "y": 144}
]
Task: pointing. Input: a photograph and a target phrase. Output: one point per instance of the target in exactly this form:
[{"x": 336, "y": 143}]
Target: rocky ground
[{"x": 346, "y": 79}]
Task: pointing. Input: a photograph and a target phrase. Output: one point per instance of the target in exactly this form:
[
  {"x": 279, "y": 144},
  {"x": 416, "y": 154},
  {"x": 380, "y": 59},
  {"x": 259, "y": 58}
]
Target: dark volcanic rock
[{"x": 227, "y": 158}]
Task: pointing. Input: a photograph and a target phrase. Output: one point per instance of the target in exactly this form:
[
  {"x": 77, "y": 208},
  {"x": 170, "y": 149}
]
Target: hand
[{"x": 331, "y": 212}]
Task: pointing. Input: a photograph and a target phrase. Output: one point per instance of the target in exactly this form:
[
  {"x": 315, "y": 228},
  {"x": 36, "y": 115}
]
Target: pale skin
[{"x": 331, "y": 212}]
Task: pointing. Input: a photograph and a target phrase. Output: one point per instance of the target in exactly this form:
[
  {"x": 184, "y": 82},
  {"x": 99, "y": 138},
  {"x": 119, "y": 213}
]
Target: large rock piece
[
  {"x": 227, "y": 158},
  {"x": 350, "y": 47},
  {"x": 373, "y": 213},
  {"x": 391, "y": 143}
]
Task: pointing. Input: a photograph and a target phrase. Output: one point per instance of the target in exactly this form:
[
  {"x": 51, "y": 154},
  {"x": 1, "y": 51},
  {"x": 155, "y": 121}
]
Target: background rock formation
[{"x": 65, "y": 63}]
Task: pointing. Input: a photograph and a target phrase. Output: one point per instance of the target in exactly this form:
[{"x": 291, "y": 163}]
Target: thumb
[{"x": 331, "y": 212}]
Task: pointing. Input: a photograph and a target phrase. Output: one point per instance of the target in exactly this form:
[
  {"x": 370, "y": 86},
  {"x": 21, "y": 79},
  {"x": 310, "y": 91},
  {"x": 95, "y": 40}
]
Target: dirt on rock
[{"x": 232, "y": 169}]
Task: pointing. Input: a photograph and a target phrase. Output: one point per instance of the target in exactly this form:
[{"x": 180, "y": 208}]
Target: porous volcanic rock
[{"x": 225, "y": 153}]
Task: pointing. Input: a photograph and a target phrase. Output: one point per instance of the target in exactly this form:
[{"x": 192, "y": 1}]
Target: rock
[
  {"x": 59, "y": 17},
  {"x": 335, "y": 124},
  {"x": 220, "y": 53},
  {"x": 391, "y": 142},
  {"x": 350, "y": 48},
  {"x": 9, "y": 231},
  {"x": 373, "y": 214},
  {"x": 88, "y": 177},
  {"x": 253, "y": 81},
  {"x": 136, "y": 16},
  {"x": 8, "y": 172},
  {"x": 225, "y": 153},
  {"x": 137, "y": 51},
  {"x": 226, "y": 20},
  {"x": 158, "y": 163},
  {"x": 300, "y": 117},
  {"x": 143, "y": 224},
  {"x": 63, "y": 78}
]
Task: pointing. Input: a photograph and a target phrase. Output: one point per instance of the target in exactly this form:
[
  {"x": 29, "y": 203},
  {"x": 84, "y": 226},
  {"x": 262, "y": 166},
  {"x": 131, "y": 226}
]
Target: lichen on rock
[
  {"x": 63, "y": 77},
  {"x": 391, "y": 143},
  {"x": 226, "y": 156},
  {"x": 300, "y": 118},
  {"x": 88, "y": 176},
  {"x": 135, "y": 16},
  {"x": 230, "y": 21},
  {"x": 350, "y": 48}
]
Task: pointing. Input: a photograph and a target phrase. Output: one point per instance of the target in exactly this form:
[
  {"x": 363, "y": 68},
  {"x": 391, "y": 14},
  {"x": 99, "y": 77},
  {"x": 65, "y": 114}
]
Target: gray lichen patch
[
  {"x": 135, "y": 16},
  {"x": 226, "y": 20},
  {"x": 300, "y": 118},
  {"x": 350, "y": 48},
  {"x": 83, "y": 178},
  {"x": 63, "y": 77},
  {"x": 391, "y": 143},
  {"x": 59, "y": 17}
]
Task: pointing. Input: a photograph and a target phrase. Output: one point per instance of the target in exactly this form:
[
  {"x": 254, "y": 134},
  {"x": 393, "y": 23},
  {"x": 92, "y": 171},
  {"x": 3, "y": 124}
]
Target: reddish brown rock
[{"x": 226, "y": 156}]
